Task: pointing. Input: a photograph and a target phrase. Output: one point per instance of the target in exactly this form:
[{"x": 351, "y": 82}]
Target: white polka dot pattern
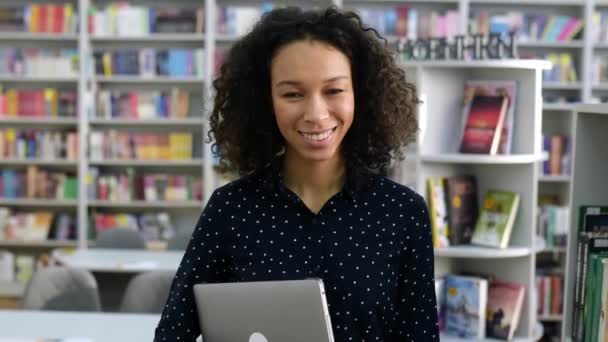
[{"x": 371, "y": 245}]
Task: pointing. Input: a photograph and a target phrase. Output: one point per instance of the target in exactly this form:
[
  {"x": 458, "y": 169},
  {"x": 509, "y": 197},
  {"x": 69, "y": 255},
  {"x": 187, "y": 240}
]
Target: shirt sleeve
[
  {"x": 204, "y": 262},
  {"x": 417, "y": 306}
]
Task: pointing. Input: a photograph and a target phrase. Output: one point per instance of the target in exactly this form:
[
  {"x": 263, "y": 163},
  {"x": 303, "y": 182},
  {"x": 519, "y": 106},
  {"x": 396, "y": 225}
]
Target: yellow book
[
  {"x": 1, "y": 143},
  {"x": 106, "y": 61},
  {"x": 35, "y": 18},
  {"x": 68, "y": 16},
  {"x": 51, "y": 102},
  {"x": 11, "y": 148},
  {"x": 173, "y": 146},
  {"x": 12, "y": 103},
  {"x": 187, "y": 146}
]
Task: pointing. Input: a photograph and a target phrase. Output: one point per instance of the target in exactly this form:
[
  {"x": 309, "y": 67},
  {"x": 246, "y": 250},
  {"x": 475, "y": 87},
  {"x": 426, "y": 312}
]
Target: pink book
[
  {"x": 570, "y": 26},
  {"x": 442, "y": 26},
  {"x": 505, "y": 301},
  {"x": 134, "y": 105}
]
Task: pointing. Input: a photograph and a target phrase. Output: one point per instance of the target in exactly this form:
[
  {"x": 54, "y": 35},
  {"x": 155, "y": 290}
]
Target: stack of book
[
  {"x": 126, "y": 20},
  {"x": 36, "y": 226},
  {"x": 35, "y": 183},
  {"x": 143, "y": 104},
  {"x": 149, "y": 62},
  {"x": 528, "y": 26},
  {"x": 412, "y": 23},
  {"x": 563, "y": 69},
  {"x": 47, "y": 102},
  {"x": 39, "y": 18},
  {"x": 16, "y": 267},
  {"x": 589, "y": 320},
  {"x": 474, "y": 307},
  {"x": 153, "y": 226},
  {"x": 457, "y": 220},
  {"x": 113, "y": 144},
  {"x": 553, "y": 225},
  {"x": 36, "y": 62},
  {"x": 599, "y": 69},
  {"x": 550, "y": 295},
  {"x": 150, "y": 187},
  {"x": 599, "y": 27},
  {"x": 38, "y": 144},
  {"x": 238, "y": 20}
]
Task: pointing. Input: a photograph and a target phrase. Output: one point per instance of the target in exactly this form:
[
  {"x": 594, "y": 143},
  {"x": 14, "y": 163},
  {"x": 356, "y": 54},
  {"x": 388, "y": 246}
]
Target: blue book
[
  {"x": 9, "y": 183},
  {"x": 178, "y": 62},
  {"x": 465, "y": 306},
  {"x": 390, "y": 22}
]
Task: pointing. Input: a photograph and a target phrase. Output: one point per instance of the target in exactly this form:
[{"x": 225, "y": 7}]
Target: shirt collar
[{"x": 356, "y": 180}]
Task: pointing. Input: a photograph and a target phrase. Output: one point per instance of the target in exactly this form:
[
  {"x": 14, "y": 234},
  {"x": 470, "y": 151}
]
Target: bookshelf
[
  {"x": 588, "y": 186},
  {"x": 437, "y": 156}
]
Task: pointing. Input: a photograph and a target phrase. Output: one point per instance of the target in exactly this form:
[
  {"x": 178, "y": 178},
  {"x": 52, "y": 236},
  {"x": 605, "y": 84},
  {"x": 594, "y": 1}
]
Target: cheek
[
  {"x": 345, "y": 110},
  {"x": 284, "y": 113}
]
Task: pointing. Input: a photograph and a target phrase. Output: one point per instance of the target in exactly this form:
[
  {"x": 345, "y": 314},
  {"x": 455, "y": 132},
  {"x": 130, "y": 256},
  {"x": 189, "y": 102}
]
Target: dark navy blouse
[{"x": 370, "y": 243}]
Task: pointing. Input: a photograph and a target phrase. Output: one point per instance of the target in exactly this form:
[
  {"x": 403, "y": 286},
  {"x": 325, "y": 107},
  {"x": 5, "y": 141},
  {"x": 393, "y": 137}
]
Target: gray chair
[
  {"x": 120, "y": 238},
  {"x": 147, "y": 292},
  {"x": 63, "y": 289},
  {"x": 180, "y": 241}
]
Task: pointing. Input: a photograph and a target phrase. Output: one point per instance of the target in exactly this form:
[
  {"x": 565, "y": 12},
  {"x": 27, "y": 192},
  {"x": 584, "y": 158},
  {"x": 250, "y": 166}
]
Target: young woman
[{"x": 310, "y": 108}]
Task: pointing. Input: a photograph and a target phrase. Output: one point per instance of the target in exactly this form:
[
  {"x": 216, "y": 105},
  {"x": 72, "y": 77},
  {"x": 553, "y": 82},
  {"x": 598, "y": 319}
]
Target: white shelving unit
[
  {"x": 588, "y": 187},
  {"x": 439, "y": 119}
]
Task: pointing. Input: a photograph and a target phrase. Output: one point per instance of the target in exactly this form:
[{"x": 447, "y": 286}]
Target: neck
[{"x": 313, "y": 181}]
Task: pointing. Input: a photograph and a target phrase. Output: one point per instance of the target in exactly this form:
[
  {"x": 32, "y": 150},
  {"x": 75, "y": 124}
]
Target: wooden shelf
[
  {"x": 38, "y": 121},
  {"x": 156, "y": 37},
  {"x": 39, "y": 244},
  {"x": 562, "y": 86},
  {"x": 39, "y": 162},
  {"x": 39, "y": 37},
  {"x": 574, "y": 44},
  {"x": 476, "y": 252},
  {"x": 552, "y": 250},
  {"x": 480, "y": 64},
  {"x": 550, "y": 318},
  {"x": 172, "y": 122},
  {"x": 46, "y": 203},
  {"x": 151, "y": 163},
  {"x": 555, "y": 179},
  {"x": 460, "y": 158},
  {"x": 146, "y": 205},
  {"x": 565, "y": 107},
  {"x": 35, "y": 79},
  {"x": 151, "y": 80}
]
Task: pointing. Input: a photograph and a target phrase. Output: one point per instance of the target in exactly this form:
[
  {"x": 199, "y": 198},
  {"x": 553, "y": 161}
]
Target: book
[
  {"x": 505, "y": 301},
  {"x": 440, "y": 295},
  {"x": 497, "y": 88},
  {"x": 438, "y": 212},
  {"x": 484, "y": 120},
  {"x": 603, "y": 323},
  {"x": 465, "y": 306},
  {"x": 496, "y": 219},
  {"x": 462, "y": 208}
]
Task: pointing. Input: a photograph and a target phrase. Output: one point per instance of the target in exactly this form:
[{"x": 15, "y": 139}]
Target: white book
[
  {"x": 466, "y": 301},
  {"x": 7, "y": 267}
]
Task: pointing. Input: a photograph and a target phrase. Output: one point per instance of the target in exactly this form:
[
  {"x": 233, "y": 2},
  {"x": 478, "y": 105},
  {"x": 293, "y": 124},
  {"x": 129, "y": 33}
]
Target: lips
[{"x": 318, "y": 135}]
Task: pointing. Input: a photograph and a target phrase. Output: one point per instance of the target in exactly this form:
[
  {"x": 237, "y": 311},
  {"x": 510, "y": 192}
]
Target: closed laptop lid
[{"x": 271, "y": 311}]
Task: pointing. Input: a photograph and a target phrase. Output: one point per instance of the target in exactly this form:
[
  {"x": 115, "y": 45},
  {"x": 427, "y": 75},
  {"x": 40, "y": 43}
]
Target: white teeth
[{"x": 318, "y": 136}]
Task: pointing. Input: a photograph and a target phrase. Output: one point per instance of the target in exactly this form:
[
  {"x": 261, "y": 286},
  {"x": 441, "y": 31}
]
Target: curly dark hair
[{"x": 242, "y": 121}]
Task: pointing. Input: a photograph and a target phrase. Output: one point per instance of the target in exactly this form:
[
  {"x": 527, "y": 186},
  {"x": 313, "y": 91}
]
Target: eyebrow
[{"x": 329, "y": 80}]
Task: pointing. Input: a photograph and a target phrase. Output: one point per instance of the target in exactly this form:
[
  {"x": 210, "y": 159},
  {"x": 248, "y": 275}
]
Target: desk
[
  {"x": 119, "y": 260},
  {"x": 98, "y": 327}
]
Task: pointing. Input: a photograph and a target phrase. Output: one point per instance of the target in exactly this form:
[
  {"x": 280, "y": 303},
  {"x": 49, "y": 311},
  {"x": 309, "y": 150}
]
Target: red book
[
  {"x": 44, "y": 10},
  {"x": 484, "y": 124},
  {"x": 402, "y": 16},
  {"x": 58, "y": 18},
  {"x": 556, "y": 295}
]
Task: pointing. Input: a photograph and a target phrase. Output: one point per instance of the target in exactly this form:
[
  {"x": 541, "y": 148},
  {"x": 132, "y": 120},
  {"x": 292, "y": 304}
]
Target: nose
[{"x": 316, "y": 109}]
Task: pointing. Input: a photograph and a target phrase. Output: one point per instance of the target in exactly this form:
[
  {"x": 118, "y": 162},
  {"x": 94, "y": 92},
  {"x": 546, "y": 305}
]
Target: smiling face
[{"x": 313, "y": 99}]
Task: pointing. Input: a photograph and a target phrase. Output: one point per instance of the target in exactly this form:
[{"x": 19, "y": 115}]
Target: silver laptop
[{"x": 273, "y": 311}]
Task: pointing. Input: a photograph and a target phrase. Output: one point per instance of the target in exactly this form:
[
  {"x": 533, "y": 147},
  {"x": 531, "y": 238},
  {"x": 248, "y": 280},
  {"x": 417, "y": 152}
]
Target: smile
[{"x": 319, "y": 136}]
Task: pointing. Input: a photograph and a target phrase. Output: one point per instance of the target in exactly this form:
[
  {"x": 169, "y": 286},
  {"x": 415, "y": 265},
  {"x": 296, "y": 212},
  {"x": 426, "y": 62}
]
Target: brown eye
[
  {"x": 334, "y": 91},
  {"x": 292, "y": 95}
]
